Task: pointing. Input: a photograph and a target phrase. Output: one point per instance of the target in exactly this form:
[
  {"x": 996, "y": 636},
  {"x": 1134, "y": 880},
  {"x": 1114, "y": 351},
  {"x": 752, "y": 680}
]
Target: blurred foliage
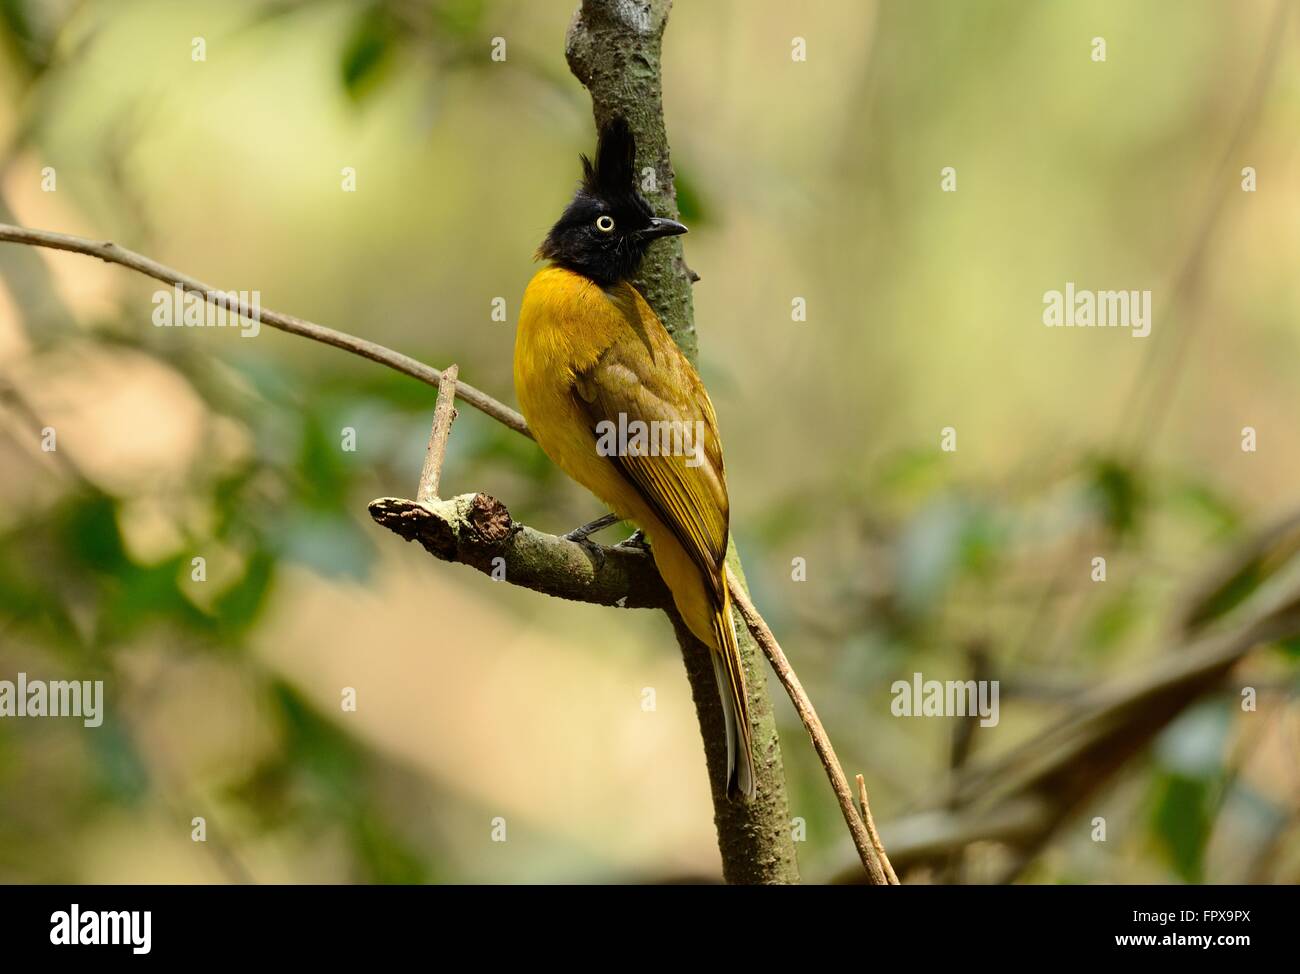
[
  {"x": 320, "y": 779},
  {"x": 69, "y": 585}
]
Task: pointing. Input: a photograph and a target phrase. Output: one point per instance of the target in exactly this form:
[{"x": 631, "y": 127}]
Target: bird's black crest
[{"x": 612, "y": 174}]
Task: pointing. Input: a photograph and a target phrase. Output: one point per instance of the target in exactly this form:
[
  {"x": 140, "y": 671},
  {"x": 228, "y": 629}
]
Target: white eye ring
[{"x": 604, "y": 223}]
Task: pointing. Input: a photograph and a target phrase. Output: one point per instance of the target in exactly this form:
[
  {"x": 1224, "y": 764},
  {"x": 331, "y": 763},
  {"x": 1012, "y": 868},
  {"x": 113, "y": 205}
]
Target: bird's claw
[
  {"x": 595, "y": 550},
  {"x": 582, "y": 536},
  {"x": 635, "y": 540}
]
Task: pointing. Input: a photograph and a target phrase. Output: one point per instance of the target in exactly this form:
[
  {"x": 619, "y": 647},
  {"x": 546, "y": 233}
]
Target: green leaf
[
  {"x": 690, "y": 202},
  {"x": 324, "y": 472},
  {"x": 1290, "y": 647},
  {"x": 313, "y": 746},
  {"x": 241, "y": 604},
  {"x": 383, "y": 854},
  {"x": 910, "y": 472},
  {"x": 143, "y": 594},
  {"x": 1118, "y": 495},
  {"x": 368, "y": 51},
  {"x": 86, "y": 528},
  {"x": 1206, "y": 506},
  {"x": 33, "y": 596},
  {"x": 1182, "y": 822},
  {"x": 458, "y": 18},
  {"x": 1232, "y": 592},
  {"x": 24, "y": 41},
  {"x": 1114, "y": 619},
  {"x": 1189, "y": 754}
]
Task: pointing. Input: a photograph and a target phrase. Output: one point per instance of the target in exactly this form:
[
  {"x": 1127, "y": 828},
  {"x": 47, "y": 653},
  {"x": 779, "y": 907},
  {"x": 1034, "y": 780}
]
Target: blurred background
[{"x": 817, "y": 179}]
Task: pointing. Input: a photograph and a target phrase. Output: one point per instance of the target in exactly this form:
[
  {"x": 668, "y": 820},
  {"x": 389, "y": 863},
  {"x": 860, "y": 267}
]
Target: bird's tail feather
[{"x": 730, "y": 674}]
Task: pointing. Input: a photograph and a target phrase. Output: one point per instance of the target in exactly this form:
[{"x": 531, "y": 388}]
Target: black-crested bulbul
[{"x": 591, "y": 357}]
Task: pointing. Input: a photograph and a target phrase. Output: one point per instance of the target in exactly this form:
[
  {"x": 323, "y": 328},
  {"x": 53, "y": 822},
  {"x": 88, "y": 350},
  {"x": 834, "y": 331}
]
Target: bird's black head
[{"x": 605, "y": 232}]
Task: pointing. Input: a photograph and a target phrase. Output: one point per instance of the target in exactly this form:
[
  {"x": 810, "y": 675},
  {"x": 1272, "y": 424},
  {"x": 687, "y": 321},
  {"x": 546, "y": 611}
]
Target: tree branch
[
  {"x": 867, "y": 820},
  {"x": 613, "y": 47},
  {"x": 863, "y": 839},
  {"x": 444, "y": 414},
  {"x": 110, "y": 252},
  {"x": 477, "y": 530}
]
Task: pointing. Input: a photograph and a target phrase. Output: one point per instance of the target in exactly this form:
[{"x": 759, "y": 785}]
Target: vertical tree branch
[{"x": 613, "y": 48}]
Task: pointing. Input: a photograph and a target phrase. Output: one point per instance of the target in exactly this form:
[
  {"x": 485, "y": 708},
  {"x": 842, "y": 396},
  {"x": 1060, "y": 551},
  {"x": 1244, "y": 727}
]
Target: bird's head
[{"x": 605, "y": 232}]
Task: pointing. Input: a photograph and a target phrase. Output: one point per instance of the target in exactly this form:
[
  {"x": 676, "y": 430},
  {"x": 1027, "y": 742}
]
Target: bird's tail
[{"x": 730, "y": 674}]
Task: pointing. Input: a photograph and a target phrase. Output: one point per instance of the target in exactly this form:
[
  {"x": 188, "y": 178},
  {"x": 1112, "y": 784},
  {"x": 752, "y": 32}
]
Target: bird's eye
[{"x": 604, "y": 223}]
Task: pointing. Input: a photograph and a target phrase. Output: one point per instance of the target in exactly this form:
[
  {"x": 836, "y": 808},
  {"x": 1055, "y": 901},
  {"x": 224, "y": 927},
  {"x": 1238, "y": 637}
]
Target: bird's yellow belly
[{"x": 562, "y": 433}]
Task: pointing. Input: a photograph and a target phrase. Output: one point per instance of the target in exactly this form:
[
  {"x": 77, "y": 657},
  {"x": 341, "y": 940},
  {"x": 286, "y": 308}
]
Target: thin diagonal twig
[
  {"x": 875, "y": 836},
  {"x": 108, "y": 251},
  {"x": 872, "y": 861}
]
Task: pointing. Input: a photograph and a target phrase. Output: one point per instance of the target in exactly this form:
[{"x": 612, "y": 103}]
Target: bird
[{"x": 602, "y": 384}]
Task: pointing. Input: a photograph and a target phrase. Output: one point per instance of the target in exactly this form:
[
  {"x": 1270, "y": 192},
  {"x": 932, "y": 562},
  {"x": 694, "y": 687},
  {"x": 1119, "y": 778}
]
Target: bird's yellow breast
[{"x": 565, "y": 323}]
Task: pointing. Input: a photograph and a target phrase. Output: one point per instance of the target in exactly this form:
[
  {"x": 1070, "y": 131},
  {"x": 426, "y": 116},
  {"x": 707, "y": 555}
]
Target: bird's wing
[{"x": 646, "y": 378}]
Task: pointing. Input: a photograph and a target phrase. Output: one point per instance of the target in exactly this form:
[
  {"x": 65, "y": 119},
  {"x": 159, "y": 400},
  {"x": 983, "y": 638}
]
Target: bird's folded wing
[{"x": 688, "y": 492}]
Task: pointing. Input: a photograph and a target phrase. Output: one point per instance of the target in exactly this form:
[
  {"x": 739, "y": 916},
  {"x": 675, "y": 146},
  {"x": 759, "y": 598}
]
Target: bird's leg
[
  {"x": 583, "y": 535},
  {"x": 635, "y": 540},
  {"x": 587, "y": 530}
]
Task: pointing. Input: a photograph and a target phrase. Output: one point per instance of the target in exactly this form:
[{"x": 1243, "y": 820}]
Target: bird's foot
[
  {"x": 580, "y": 535},
  {"x": 635, "y": 540}
]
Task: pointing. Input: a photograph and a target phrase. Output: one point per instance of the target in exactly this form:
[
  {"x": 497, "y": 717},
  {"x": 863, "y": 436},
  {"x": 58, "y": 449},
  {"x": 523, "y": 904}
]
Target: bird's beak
[{"x": 661, "y": 227}]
